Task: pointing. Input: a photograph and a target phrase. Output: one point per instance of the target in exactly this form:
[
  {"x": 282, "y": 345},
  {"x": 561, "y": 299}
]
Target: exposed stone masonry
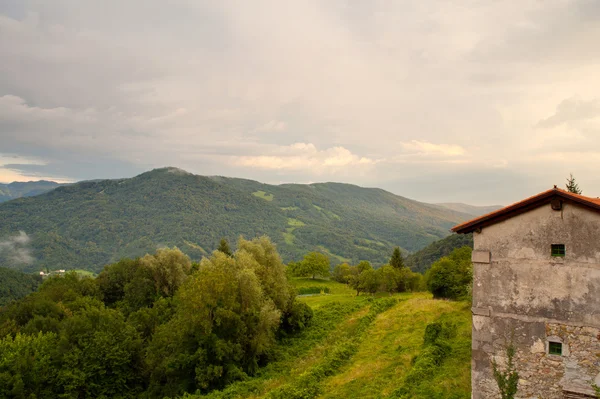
[{"x": 545, "y": 376}]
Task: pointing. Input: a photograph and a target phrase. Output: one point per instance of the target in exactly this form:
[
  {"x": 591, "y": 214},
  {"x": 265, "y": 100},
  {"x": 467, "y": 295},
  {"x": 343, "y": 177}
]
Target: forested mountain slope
[
  {"x": 25, "y": 189},
  {"x": 89, "y": 224},
  {"x": 15, "y": 285},
  {"x": 421, "y": 260}
]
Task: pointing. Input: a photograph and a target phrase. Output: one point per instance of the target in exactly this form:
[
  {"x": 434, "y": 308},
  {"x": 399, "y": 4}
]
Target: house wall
[{"x": 525, "y": 296}]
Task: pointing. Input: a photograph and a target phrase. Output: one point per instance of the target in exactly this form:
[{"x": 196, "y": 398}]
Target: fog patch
[
  {"x": 15, "y": 249},
  {"x": 178, "y": 171}
]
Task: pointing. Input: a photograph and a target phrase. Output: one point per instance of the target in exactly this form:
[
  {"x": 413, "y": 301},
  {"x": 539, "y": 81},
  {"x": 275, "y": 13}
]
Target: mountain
[
  {"x": 89, "y": 224},
  {"x": 470, "y": 209},
  {"x": 421, "y": 260},
  {"x": 25, "y": 189}
]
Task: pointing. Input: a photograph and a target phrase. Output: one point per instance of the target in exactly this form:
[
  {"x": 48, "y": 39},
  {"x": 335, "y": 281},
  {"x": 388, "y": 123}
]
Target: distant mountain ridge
[
  {"x": 25, "y": 189},
  {"x": 470, "y": 209},
  {"x": 89, "y": 224}
]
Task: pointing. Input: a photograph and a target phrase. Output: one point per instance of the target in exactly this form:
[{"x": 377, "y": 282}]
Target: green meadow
[{"x": 367, "y": 347}]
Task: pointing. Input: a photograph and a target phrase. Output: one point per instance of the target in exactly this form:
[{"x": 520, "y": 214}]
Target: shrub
[
  {"x": 297, "y": 318},
  {"x": 508, "y": 379},
  {"x": 435, "y": 350}
]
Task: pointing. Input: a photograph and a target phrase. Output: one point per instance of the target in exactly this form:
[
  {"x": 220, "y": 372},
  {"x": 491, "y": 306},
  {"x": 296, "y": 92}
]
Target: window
[
  {"x": 555, "y": 348},
  {"x": 558, "y": 250}
]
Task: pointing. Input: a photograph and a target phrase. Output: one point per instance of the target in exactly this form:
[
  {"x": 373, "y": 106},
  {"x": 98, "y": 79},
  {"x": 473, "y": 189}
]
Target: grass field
[
  {"x": 364, "y": 347},
  {"x": 86, "y": 273},
  {"x": 263, "y": 195},
  {"x": 295, "y": 222}
]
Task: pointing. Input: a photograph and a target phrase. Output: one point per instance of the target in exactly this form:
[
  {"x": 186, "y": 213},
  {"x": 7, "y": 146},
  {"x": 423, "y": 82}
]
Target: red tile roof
[{"x": 522, "y": 206}]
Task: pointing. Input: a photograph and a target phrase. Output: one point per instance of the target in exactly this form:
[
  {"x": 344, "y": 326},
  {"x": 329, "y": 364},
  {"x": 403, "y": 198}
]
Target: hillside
[
  {"x": 89, "y": 224},
  {"x": 363, "y": 347},
  {"x": 421, "y": 260},
  {"x": 15, "y": 285},
  {"x": 25, "y": 189},
  {"x": 470, "y": 209}
]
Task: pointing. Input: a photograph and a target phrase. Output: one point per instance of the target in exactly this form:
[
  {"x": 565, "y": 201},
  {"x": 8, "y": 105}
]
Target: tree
[
  {"x": 389, "y": 277},
  {"x": 397, "y": 261},
  {"x": 261, "y": 255},
  {"x": 341, "y": 273},
  {"x": 225, "y": 322},
  {"x": 224, "y": 247},
  {"x": 364, "y": 265},
  {"x": 369, "y": 281},
  {"x": 99, "y": 354},
  {"x": 314, "y": 264},
  {"x": 363, "y": 278},
  {"x": 26, "y": 365},
  {"x": 451, "y": 276},
  {"x": 571, "y": 185},
  {"x": 169, "y": 269}
]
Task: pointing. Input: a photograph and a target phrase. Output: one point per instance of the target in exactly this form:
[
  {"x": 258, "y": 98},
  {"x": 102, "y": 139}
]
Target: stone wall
[
  {"x": 522, "y": 293},
  {"x": 541, "y": 375}
]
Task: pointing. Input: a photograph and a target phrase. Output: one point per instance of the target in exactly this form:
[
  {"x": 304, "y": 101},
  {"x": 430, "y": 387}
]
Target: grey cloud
[
  {"x": 572, "y": 110},
  {"x": 541, "y": 34},
  {"x": 109, "y": 89}
]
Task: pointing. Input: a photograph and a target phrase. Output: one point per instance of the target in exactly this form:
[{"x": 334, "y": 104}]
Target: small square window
[
  {"x": 555, "y": 348},
  {"x": 558, "y": 250}
]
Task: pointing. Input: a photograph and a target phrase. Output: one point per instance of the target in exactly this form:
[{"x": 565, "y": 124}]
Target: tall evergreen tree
[
  {"x": 572, "y": 186},
  {"x": 224, "y": 247},
  {"x": 397, "y": 261}
]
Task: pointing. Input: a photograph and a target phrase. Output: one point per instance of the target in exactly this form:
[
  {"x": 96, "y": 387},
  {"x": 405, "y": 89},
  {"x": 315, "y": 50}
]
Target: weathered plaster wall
[{"x": 525, "y": 295}]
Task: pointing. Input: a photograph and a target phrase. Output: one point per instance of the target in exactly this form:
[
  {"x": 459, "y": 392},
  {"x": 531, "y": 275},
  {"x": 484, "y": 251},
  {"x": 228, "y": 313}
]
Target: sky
[{"x": 482, "y": 102}]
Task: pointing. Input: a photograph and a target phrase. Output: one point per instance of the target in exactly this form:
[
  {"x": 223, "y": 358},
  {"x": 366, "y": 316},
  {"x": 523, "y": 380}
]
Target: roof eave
[{"x": 518, "y": 208}]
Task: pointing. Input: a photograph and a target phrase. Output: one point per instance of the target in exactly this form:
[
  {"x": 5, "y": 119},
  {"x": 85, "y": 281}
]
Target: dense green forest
[
  {"x": 90, "y": 224},
  {"x": 25, "y": 189},
  {"x": 15, "y": 285},
  {"x": 231, "y": 326},
  {"x": 422, "y": 260},
  {"x": 157, "y": 326}
]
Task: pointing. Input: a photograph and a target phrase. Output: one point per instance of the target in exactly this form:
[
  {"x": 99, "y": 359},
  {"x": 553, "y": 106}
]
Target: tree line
[
  {"x": 449, "y": 277},
  {"x": 391, "y": 278}
]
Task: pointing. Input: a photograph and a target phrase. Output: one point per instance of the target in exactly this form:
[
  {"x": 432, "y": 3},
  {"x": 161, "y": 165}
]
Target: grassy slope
[
  {"x": 90, "y": 224},
  {"x": 381, "y": 355}
]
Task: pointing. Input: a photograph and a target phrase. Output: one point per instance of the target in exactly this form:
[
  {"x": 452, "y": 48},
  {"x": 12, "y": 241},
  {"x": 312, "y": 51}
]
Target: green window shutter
[
  {"x": 558, "y": 250},
  {"x": 555, "y": 348}
]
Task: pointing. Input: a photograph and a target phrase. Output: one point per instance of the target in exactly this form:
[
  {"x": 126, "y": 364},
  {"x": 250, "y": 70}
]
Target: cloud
[
  {"x": 271, "y": 126},
  {"x": 15, "y": 249},
  {"x": 425, "y": 148},
  {"x": 229, "y": 87},
  {"x": 303, "y": 156},
  {"x": 572, "y": 110}
]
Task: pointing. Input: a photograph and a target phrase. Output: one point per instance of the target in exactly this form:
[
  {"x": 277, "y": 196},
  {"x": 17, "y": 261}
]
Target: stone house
[{"x": 536, "y": 284}]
